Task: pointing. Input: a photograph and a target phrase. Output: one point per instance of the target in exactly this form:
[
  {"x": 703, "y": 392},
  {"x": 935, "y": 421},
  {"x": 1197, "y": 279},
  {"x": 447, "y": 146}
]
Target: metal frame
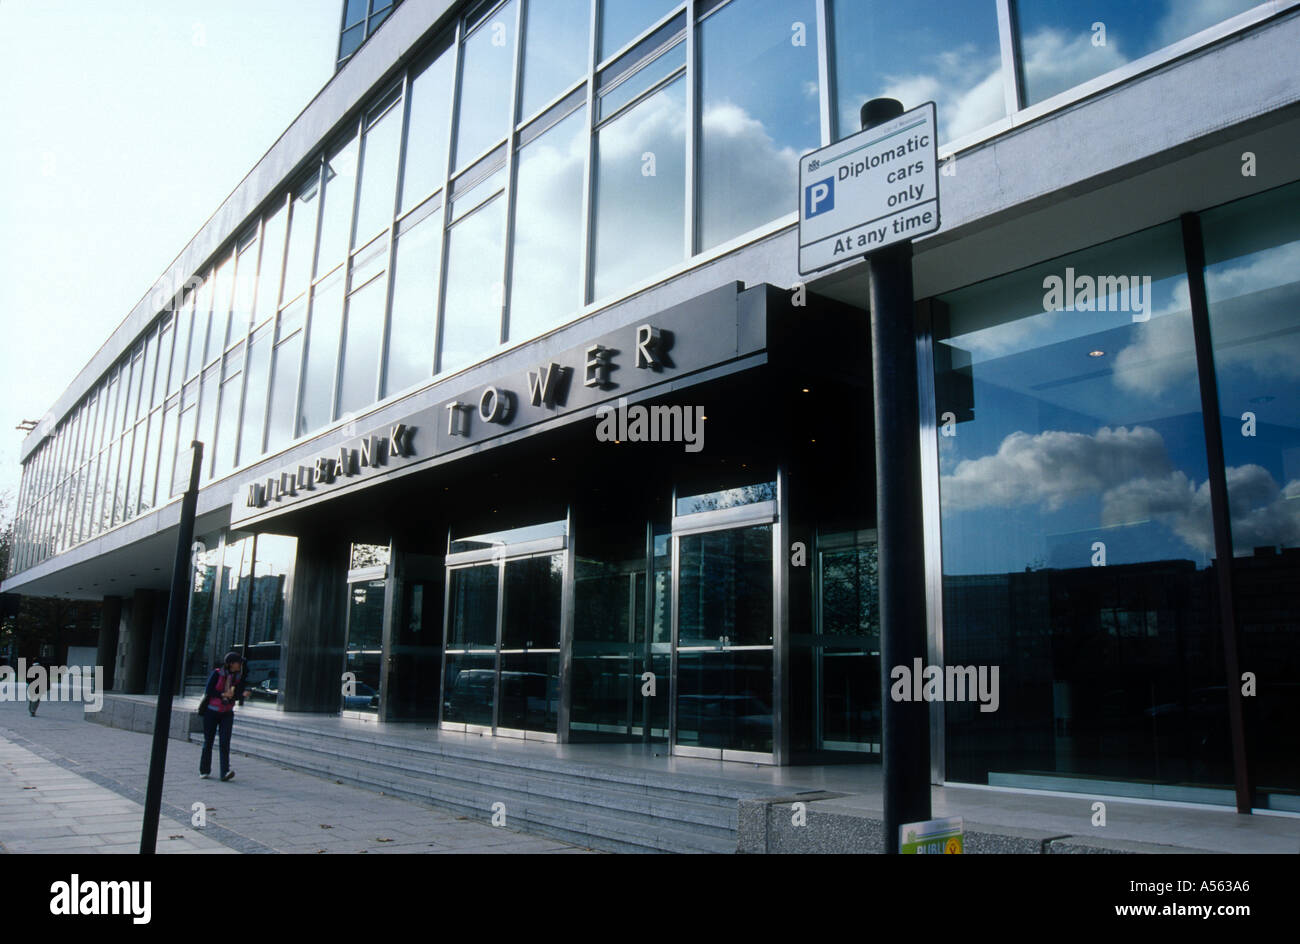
[{"x": 933, "y": 524}]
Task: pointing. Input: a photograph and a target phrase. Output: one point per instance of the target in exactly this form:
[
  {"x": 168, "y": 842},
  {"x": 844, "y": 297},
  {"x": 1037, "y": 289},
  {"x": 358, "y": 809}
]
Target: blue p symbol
[{"x": 819, "y": 197}]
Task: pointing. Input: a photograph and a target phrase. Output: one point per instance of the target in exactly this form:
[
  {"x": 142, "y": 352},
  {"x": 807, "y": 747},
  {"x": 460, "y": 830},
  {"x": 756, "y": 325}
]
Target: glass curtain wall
[
  {"x": 238, "y": 600},
  {"x": 689, "y": 144},
  {"x": 1252, "y": 284},
  {"x": 1077, "y": 537}
]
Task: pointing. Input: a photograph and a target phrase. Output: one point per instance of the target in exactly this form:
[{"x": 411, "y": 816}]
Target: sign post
[
  {"x": 173, "y": 644},
  {"x": 872, "y": 193}
]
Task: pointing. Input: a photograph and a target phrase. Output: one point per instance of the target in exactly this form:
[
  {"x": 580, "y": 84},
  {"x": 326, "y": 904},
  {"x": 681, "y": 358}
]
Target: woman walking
[{"x": 225, "y": 686}]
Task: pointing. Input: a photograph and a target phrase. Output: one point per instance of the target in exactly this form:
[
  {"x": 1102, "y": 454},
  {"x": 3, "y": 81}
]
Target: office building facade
[{"x": 518, "y": 419}]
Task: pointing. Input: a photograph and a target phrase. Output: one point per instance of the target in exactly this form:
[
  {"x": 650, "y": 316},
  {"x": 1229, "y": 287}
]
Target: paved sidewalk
[
  {"x": 44, "y": 808},
  {"x": 87, "y": 789}
]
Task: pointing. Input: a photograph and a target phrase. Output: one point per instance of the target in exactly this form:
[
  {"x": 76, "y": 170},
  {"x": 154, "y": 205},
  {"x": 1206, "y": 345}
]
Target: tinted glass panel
[
  {"x": 259, "y": 368},
  {"x": 472, "y": 308},
  {"x": 623, "y": 20},
  {"x": 415, "y": 306},
  {"x": 426, "y": 143},
  {"x": 759, "y": 112},
  {"x": 268, "y": 278},
  {"x": 945, "y": 51},
  {"x": 487, "y": 68},
  {"x": 545, "y": 277},
  {"x": 1062, "y": 47},
  {"x": 640, "y": 187},
  {"x": 1252, "y": 279},
  {"x": 378, "y": 175},
  {"x": 336, "y": 212},
  {"x": 302, "y": 239},
  {"x": 555, "y": 50},
  {"x": 284, "y": 388},
  {"x": 322, "y": 356},
  {"x": 1076, "y": 551},
  {"x": 359, "y": 370}
]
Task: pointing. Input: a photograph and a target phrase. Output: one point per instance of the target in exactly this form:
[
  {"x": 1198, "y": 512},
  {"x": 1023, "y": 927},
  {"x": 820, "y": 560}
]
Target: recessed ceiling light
[
  {"x": 805, "y": 390},
  {"x": 1096, "y": 353}
]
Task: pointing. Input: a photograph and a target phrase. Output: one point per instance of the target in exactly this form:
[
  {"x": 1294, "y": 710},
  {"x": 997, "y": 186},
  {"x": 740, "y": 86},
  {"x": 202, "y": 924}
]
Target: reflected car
[{"x": 363, "y": 697}]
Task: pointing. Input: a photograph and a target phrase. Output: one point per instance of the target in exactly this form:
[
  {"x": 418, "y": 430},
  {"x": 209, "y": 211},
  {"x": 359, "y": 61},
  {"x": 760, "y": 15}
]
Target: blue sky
[{"x": 125, "y": 126}]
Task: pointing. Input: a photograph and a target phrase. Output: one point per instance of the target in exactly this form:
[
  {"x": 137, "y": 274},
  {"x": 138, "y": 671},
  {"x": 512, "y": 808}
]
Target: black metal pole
[
  {"x": 905, "y": 725},
  {"x": 173, "y": 641}
]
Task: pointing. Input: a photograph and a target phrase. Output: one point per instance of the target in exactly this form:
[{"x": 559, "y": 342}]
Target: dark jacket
[{"x": 212, "y": 693}]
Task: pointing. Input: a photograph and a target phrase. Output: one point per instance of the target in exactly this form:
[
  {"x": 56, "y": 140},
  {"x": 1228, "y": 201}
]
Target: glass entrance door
[
  {"x": 501, "y": 669},
  {"x": 725, "y": 640},
  {"x": 365, "y": 650}
]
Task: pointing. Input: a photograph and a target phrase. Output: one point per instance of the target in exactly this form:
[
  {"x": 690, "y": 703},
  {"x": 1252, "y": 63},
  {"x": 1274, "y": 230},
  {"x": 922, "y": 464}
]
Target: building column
[
  {"x": 110, "y": 619},
  {"x": 139, "y": 638},
  {"x": 315, "y": 636}
]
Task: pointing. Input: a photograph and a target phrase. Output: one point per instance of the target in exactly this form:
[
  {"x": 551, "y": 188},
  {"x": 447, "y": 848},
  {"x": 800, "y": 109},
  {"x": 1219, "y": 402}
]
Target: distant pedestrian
[
  {"x": 34, "y": 691},
  {"x": 225, "y": 687}
]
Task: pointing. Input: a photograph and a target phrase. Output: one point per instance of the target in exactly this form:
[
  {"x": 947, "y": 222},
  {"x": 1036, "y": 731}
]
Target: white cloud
[
  {"x": 1129, "y": 471},
  {"x": 1054, "y": 467},
  {"x": 1055, "y": 60}
]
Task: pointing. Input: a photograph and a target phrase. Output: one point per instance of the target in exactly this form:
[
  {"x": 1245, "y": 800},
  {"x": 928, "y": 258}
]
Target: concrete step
[
  {"x": 605, "y": 807},
  {"x": 649, "y": 803},
  {"x": 597, "y": 826},
  {"x": 353, "y": 743}
]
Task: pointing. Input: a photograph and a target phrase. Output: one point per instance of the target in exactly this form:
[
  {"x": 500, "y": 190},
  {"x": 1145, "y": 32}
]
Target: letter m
[
  {"x": 962, "y": 682},
  {"x": 119, "y": 894},
  {"x": 1109, "y": 286}
]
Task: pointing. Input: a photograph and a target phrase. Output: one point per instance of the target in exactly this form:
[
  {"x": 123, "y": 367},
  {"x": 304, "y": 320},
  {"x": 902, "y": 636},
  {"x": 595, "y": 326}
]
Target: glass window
[
  {"x": 378, "y": 175},
  {"x": 351, "y": 39},
  {"x": 1062, "y": 46},
  {"x": 209, "y": 388},
  {"x": 487, "y": 69},
  {"x": 322, "y": 355},
  {"x": 302, "y": 239},
  {"x": 222, "y": 329},
  {"x": 413, "y": 325},
  {"x": 640, "y": 188},
  {"x": 758, "y": 113},
  {"x": 359, "y": 368},
  {"x": 199, "y": 348},
  {"x": 621, "y": 21},
  {"x": 226, "y": 433},
  {"x": 147, "y": 366},
  {"x": 167, "y": 452},
  {"x": 1252, "y": 280},
  {"x": 241, "y": 315},
  {"x": 555, "y": 50},
  {"x": 336, "y": 209},
  {"x": 617, "y": 87},
  {"x": 164, "y": 361},
  {"x": 272, "y": 264},
  {"x": 150, "y": 470},
  {"x": 184, "y": 316},
  {"x": 545, "y": 279},
  {"x": 472, "y": 306},
  {"x": 1077, "y": 539},
  {"x": 354, "y": 13},
  {"x": 259, "y": 368},
  {"x": 945, "y": 51},
  {"x": 284, "y": 391},
  {"x": 426, "y": 137}
]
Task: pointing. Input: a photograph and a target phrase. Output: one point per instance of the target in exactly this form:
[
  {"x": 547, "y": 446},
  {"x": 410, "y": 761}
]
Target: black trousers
[{"x": 213, "y": 721}]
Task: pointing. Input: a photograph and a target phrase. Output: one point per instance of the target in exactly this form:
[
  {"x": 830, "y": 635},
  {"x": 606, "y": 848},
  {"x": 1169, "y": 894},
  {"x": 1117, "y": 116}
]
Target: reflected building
[{"x": 519, "y": 419}]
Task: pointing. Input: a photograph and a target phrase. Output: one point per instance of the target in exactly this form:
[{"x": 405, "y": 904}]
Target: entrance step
[{"x": 609, "y": 807}]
